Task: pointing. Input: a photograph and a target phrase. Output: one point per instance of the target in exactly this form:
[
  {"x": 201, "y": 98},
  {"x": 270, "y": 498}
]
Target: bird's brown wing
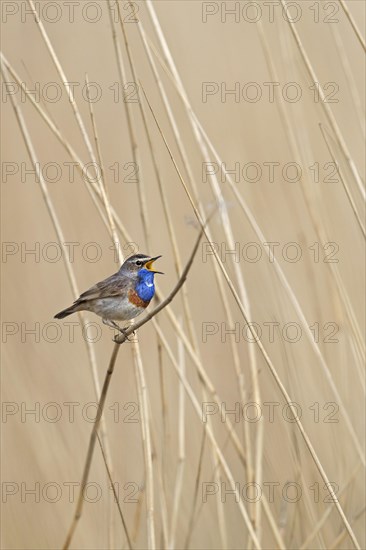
[{"x": 115, "y": 285}]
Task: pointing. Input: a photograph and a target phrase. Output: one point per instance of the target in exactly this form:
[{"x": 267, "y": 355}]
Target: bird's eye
[{"x": 139, "y": 263}]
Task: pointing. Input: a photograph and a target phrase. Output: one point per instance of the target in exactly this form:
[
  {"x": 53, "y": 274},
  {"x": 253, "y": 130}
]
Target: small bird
[{"x": 121, "y": 296}]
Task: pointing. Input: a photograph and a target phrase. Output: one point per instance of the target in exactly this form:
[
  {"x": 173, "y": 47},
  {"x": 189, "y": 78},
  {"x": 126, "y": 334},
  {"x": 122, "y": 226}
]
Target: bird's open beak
[{"x": 149, "y": 263}]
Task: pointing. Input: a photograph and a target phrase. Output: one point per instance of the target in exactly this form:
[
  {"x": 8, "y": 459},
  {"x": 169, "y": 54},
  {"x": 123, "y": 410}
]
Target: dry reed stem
[
  {"x": 328, "y": 510},
  {"x": 353, "y": 24},
  {"x": 221, "y": 516},
  {"x": 64, "y": 81},
  {"x": 344, "y": 184},
  {"x": 129, "y": 119},
  {"x": 350, "y": 79},
  {"x": 146, "y": 440},
  {"x": 162, "y": 493},
  {"x": 164, "y": 434},
  {"x": 103, "y": 185},
  {"x": 327, "y": 110},
  {"x": 195, "y": 493},
  {"x": 343, "y": 534},
  {"x": 93, "y": 436},
  {"x": 181, "y": 449},
  {"x": 123, "y": 521}
]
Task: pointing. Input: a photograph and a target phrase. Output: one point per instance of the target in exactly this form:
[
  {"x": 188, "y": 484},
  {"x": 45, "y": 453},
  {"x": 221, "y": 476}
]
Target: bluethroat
[{"x": 121, "y": 296}]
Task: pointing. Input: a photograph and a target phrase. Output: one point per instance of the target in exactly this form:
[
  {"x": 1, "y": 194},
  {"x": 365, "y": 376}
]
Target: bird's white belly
[{"x": 116, "y": 309}]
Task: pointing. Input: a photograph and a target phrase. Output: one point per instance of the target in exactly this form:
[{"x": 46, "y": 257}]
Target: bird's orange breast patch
[{"x": 135, "y": 299}]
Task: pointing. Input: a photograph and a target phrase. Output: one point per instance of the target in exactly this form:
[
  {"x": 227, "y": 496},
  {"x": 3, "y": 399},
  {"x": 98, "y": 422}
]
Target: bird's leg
[
  {"x": 112, "y": 324},
  {"x": 123, "y": 330}
]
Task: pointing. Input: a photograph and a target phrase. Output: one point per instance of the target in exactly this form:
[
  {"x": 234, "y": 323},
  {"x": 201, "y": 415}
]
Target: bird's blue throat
[{"x": 145, "y": 285}]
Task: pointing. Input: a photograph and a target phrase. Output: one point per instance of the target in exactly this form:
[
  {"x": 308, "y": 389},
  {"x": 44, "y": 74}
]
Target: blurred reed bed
[{"x": 211, "y": 481}]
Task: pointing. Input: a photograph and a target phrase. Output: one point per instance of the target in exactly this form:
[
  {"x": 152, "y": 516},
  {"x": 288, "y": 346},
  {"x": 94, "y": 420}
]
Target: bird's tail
[{"x": 67, "y": 311}]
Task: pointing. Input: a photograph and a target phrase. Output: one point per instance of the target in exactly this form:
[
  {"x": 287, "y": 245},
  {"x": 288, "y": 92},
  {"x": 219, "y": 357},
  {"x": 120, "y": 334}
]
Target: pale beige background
[{"x": 35, "y": 370}]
